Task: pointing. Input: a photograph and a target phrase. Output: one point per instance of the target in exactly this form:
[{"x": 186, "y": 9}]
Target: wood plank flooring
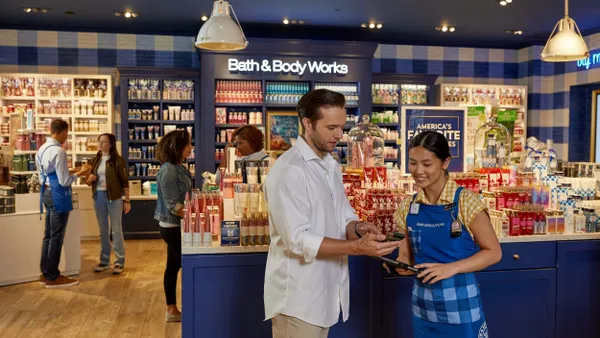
[{"x": 102, "y": 305}]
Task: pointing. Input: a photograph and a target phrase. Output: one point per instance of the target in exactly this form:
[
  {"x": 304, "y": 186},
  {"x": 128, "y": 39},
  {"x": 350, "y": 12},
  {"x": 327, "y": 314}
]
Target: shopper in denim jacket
[{"x": 174, "y": 181}]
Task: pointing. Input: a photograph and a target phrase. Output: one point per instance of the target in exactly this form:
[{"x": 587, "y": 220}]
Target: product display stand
[
  {"x": 153, "y": 101},
  {"x": 391, "y": 92},
  {"x": 30, "y": 102}
]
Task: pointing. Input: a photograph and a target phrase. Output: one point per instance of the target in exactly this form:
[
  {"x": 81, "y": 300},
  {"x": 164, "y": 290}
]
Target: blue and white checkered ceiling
[{"x": 479, "y": 23}]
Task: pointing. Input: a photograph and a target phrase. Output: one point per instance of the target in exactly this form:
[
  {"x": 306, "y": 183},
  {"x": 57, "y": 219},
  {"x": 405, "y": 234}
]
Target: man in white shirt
[
  {"x": 56, "y": 180},
  {"x": 313, "y": 227}
]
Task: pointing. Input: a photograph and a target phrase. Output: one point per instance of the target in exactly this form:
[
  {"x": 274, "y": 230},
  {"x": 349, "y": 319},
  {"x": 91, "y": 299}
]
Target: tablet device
[{"x": 397, "y": 264}]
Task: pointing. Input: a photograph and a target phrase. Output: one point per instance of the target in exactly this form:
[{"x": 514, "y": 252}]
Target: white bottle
[{"x": 579, "y": 221}]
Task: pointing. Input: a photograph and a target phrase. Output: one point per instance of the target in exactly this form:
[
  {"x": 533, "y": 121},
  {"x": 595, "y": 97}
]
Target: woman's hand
[
  {"x": 435, "y": 272},
  {"x": 126, "y": 207},
  {"x": 91, "y": 179},
  {"x": 180, "y": 213},
  {"x": 399, "y": 271}
]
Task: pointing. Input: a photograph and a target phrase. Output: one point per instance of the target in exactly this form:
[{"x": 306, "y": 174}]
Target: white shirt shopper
[{"x": 312, "y": 225}]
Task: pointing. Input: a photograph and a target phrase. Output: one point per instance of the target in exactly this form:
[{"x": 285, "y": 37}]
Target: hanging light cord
[{"x": 236, "y": 20}]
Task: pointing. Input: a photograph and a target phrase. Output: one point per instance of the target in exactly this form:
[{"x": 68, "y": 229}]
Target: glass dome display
[
  {"x": 365, "y": 145},
  {"x": 492, "y": 142}
]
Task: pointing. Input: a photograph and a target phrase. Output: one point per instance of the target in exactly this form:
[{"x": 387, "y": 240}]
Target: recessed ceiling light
[
  {"x": 445, "y": 29},
  {"x": 294, "y": 22},
  {"x": 502, "y": 2},
  {"x": 508, "y": 1},
  {"x": 371, "y": 25},
  {"x": 127, "y": 14},
  {"x": 514, "y": 32},
  {"x": 363, "y": 25},
  {"x": 204, "y": 18},
  {"x": 301, "y": 22},
  {"x": 286, "y": 21},
  {"x": 379, "y": 26},
  {"x": 34, "y": 10},
  {"x": 118, "y": 13}
]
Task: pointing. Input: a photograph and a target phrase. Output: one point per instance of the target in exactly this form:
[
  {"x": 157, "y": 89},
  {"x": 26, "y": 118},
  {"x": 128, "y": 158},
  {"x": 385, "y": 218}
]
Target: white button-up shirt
[
  {"x": 54, "y": 160},
  {"x": 307, "y": 202}
]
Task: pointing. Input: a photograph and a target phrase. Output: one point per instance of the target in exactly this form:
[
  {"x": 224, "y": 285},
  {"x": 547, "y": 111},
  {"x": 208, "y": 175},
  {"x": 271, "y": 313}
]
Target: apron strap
[
  {"x": 266, "y": 156},
  {"x": 43, "y": 177}
]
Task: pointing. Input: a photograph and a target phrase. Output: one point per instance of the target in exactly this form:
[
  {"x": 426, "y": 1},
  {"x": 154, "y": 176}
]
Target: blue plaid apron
[{"x": 451, "y": 307}]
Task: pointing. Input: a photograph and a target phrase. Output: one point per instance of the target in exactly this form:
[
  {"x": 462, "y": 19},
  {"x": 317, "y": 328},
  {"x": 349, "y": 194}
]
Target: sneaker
[
  {"x": 117, "y": 269},
  {"x": 172, "y": 317},
  {"x": 42, "y": 279},
  {"x": 61, "y": 282},
  {"x": 101, "y": 267}
]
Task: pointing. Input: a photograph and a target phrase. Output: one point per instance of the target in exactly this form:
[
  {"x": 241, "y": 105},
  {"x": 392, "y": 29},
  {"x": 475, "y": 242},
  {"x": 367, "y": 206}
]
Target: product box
[
  {"x": 221, "y": 116},
  {"x": 135, "y": 188},
  {"x": 230, "y": 233}
]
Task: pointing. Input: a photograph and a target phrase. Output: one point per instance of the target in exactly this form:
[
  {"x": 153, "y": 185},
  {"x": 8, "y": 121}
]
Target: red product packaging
[
  {"x": 369, "y": 173},
  {"x": 381, "y": 175}
]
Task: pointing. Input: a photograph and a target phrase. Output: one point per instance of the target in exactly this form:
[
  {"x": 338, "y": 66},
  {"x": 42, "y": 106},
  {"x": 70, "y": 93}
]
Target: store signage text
[
  {"x": 279, "y": 66},
  {"x": 453, "y": 136},
  {"x": 449, "y": 122},
  {"x": 592, "y": 61}
]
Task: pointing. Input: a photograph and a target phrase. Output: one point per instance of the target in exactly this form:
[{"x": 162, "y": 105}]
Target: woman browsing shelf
[
  {"x": 110, "y": 190},
  {"x": 174, "y": 182},
  {"x": 449, "y": 237}
]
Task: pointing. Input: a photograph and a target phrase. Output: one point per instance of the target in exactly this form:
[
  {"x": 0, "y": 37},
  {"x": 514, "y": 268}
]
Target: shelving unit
[
  {"x": 391, "y": 92},
  {"x": 146, "y": 95},
  {"x": 475, "y": 95},
  {"x": 50, "y": 97}
]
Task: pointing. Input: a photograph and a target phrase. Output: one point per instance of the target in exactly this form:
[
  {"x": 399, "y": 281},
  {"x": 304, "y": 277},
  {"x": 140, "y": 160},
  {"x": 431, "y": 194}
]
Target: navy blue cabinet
[
  {"x": 519, "y": 304},
  {"x": 139, "y": 223},
  {"x": 578, "y": 296},
  {"x": 360, "y": 302},
  {"x": 396, "y": 311},
  {"x": 223, "y": 296}
]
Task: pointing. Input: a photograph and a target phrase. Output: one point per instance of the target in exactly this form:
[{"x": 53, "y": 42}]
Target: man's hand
[
  {"x": 91, "y": 179},
  {"x": 73, "y": 171},
  {"x": 370, "y": 245},
  {"x": 367, "y": 228}
]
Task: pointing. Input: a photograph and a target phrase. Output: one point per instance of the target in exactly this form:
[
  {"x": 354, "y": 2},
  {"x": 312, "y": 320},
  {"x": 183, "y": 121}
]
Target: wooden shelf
[
  {"x": 18, "y": 98},
  {"x": 88, "y": 133},
  {"x": 91, "y": 117},
  {"x": 179, "y": 101},
  {"x": 96, "y": 99},
  {"x": 25, "y": 152},
  {"x": 19, "y": 173},
  {"x": 55, "y": 98},
  {"x": 177, "y": 122},
  {"x": 143, "y": 141}
]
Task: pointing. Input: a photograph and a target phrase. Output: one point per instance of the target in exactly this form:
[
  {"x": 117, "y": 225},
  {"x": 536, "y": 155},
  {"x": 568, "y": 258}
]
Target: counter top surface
[{"x": 217, "y": 249}]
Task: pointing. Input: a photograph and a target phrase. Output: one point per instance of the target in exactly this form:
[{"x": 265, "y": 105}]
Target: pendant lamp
[
  {"x": 220, "y": 32},
  {"x": 567, "y": 44}
]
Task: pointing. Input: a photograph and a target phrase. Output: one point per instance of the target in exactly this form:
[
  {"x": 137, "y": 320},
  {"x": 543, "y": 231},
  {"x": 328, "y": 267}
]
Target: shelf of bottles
[
  {"x": 30, "y": 102},
  {"x": 509, "y": 101},
  {"x": 387, "y": 100},
  {"x": 156, "y": 107},
  {"x": 285, "y": 94}
]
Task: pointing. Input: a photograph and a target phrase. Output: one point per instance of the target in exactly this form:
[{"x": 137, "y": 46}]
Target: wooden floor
[{"x": 102, "y": 305}]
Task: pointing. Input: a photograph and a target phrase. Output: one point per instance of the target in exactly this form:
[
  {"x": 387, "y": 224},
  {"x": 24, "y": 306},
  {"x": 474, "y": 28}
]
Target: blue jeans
[
  {"x": 113, "y": 210},
  {"x": 54, "y": 235}
]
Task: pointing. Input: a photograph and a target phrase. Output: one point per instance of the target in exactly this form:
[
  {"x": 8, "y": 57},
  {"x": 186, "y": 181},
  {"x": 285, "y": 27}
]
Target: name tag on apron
[{"x": 414, "y": 208}]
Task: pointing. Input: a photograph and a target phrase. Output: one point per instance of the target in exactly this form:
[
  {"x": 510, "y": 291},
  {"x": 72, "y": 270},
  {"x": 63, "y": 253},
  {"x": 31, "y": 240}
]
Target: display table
[
  {"x": 544, "y": 286},
  {"x": 21, "y": 236}
]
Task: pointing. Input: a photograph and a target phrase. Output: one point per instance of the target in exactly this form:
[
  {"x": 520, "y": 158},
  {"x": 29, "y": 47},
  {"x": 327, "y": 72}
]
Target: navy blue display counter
[{"x": 542, "y": 289}]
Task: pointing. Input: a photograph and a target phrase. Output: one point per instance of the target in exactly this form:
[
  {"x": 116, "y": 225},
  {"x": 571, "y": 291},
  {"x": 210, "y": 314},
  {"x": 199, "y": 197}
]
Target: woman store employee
[
  {"x": 249, "y": 142},
  {"x": 449, "y": 237}
]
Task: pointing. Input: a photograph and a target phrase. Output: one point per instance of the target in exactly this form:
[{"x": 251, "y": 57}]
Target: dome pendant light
[
  {"x": 220, "y": 32},
  {"x": 567, "y": 44}
]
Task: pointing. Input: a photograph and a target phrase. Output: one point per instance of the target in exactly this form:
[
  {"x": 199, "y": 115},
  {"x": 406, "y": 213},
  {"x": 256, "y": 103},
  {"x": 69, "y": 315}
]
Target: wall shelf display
[
  {"x": 30, "y": 102},
  {"x": 513, "y": 111},
  {"x": 155, "y": 102},
  {"x": 391, "y": 92}
]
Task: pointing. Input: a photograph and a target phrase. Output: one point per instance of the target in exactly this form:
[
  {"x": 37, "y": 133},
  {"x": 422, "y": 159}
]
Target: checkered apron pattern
[{"x": 453, "y": 304}]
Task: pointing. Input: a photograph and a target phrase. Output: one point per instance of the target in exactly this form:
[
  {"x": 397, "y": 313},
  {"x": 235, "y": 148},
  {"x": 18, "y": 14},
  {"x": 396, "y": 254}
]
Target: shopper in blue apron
[
  {"x": 449, "y": 238},
  {"x": 56, "y": 196}
]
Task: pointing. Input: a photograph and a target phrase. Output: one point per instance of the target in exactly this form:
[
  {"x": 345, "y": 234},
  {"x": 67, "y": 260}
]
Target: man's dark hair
[
  {"x": 170, "y": 147},
  {"x": 58, "y": 126},
  {"x": 311, "y": 103}
]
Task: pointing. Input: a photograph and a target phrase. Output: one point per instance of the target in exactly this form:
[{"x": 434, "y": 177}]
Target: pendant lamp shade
[
  {"x": 220, "y": 32},
  {"x": 565, "y": 43}
]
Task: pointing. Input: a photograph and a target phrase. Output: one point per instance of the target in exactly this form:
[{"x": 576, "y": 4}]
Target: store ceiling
[{"x": 479, "y": 23}]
